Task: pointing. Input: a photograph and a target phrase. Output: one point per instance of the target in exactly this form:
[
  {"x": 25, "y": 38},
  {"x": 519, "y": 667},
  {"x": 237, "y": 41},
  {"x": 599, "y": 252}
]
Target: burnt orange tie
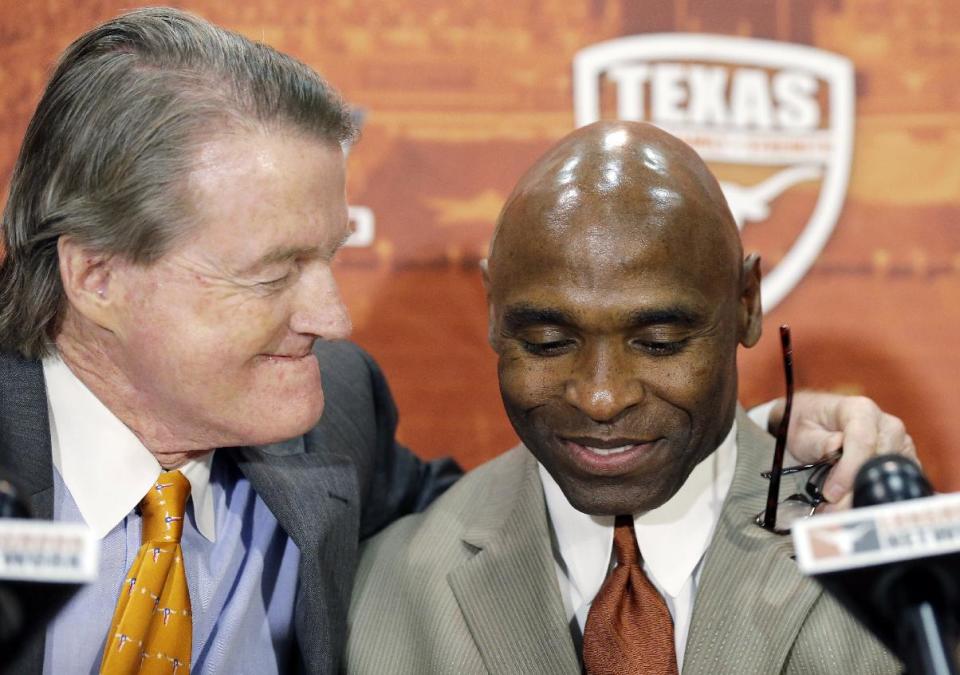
[
  {"x": 629, "y": 629},
  {"x": 152, "y": 628}
]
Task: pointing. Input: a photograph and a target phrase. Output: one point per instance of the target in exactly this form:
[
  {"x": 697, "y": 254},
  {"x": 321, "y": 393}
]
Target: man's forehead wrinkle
[
  {"x": 204, "y": 265},
  {"x": 203, "y": 262}
]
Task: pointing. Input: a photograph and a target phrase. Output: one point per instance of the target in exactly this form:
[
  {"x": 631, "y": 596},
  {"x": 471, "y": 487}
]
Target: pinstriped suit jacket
[
  {"x": 470, "y": 587},
  {"x": 343, "y": 480}
]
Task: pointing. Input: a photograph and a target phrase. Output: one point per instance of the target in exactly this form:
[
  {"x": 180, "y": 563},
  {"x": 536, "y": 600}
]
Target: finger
[
  {"x": 859, "y": 418},
  {"x": 891, "y": 435},
  {"x": 839, "y": 482},
  {"x": 910, "y": 449},
  {"x": 828, "y": 444},
  {"x": 845, "y": 503},
  {"x": 860, "y": 423},
  {"x": 775, "y": 415}
]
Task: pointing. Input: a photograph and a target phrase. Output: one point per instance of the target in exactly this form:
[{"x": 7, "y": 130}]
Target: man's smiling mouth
[
  {"x": 607, "y": 445},
  {"x": 610, "y": 451},
  {"x": 609, "y": 456}
]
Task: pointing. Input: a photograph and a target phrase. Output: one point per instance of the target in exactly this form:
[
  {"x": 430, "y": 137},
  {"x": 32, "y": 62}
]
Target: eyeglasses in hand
[{"x": 779, "y": 516}]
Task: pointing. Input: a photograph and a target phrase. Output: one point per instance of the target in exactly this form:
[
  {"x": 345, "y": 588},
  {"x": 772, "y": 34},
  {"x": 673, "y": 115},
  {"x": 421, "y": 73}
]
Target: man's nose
[
  {"x": 603, "y": 385},
  {"x": 319, "y": 308}
]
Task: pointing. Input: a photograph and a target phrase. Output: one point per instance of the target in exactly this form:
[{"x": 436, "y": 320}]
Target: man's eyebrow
[
  {"x": 282, "y": 254},
  {"x": 520, "y": 317},
  {"x": 278, "y": 255},
  {"x": 675, "y": 315},
  {"x": 523, "y": 316}
]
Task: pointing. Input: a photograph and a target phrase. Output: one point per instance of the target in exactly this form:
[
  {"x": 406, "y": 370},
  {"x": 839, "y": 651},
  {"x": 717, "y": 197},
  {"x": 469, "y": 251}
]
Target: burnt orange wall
[{"x": 460, "y": 97}]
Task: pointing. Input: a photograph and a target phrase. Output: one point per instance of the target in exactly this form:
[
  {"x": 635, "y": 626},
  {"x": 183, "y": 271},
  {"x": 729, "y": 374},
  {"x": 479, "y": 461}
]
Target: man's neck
[{"x": 91, "y": 362}]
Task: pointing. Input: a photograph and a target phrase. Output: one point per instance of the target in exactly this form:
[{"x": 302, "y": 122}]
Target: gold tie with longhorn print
[{"x": 152, "y": 628}]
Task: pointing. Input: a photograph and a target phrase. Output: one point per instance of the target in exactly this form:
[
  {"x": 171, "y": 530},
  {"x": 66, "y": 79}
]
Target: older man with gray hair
[
  {"x": 167, "y": 309},
  {"x": 166, "y": 291}
]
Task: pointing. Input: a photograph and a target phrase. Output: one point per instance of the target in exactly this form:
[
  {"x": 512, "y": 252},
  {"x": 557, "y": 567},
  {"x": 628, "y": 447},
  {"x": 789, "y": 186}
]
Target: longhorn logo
[{"x": 772, "y": 119}]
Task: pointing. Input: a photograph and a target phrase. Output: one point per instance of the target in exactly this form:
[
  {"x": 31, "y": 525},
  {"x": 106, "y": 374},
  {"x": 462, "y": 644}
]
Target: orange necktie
[
  {"x": 629, "y": 629},
  {"x": 152, "y": 628}
]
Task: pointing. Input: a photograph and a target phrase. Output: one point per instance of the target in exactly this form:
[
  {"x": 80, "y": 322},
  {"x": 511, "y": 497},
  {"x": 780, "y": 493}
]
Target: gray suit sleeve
[{"x": 400, "y": 483}]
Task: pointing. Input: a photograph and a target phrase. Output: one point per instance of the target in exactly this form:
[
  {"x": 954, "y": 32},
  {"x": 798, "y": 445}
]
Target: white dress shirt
[
  {"x": 242, "y": 585},
  {"x": 102, "y": 462},
  {"x": 672, "y": 540}
]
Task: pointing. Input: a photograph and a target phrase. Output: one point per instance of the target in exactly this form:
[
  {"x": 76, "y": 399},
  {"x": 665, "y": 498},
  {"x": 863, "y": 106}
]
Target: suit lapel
[
  {"x": 508, "y": 591},
  {"x": 752, "y": 600},
  {"x": 299, "y": 487},
  {"x": 315, "y": 499}
]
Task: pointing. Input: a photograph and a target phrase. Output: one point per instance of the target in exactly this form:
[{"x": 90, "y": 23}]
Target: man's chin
[
  {"x": 290, "y": 421},
  {"x": 610, "y": 500},
  {"x": 300, "y": 424}
]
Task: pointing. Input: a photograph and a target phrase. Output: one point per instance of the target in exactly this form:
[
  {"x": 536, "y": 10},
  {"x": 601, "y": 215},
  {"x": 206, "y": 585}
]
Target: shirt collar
[
  {"x": 672, "y": 538},
  {"x": 102, "y": 462}
]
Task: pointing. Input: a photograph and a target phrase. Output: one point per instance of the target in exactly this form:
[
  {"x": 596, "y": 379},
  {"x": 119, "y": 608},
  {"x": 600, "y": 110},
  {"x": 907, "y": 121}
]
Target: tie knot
[
  {"x": 163, "y": 507},
  {"x": 625, "y": 541}
]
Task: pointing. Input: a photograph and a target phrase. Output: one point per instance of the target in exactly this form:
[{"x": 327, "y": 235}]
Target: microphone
[
  {"x": 893, "y": 561},
  {"x": 11, "y": 506},
  {"x": 42, "y": 564},
  {"x": 11, "y": 615}
]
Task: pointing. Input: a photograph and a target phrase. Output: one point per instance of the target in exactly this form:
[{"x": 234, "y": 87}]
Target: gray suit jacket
[
  {"x": 470, "y": 587},
  {"x": 344, "y": 480}
]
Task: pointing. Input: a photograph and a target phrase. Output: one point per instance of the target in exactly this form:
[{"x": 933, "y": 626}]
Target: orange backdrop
[{"x": 459, "y": 98}]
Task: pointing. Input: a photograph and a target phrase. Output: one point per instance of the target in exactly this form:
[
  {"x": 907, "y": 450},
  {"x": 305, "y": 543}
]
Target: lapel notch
[{"x": 508, "y": 590}]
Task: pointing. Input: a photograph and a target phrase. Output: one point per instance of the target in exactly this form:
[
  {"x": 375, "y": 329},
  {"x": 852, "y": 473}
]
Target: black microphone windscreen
[{"x": 889, "y": 478}]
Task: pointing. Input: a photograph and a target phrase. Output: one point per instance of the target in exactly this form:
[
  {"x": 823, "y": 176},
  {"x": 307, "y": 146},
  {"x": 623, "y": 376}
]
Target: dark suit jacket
[{"x": 343, "y": 481}]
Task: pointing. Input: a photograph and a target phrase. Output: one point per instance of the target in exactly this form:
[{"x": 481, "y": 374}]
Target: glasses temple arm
[{"x": 773, "y": 490}]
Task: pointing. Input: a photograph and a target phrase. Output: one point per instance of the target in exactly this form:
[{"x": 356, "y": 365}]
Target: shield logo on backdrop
[{"x": 774, "y": 120}]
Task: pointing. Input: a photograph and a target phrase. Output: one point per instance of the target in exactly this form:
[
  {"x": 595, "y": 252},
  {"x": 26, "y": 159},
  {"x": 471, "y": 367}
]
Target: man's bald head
[
  {"x": 617, "y": 300},
  {"x": 630, "y": 176}
]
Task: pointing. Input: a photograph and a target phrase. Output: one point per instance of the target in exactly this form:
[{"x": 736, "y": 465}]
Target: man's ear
[
  {"x": 485, "y": 273},
  {"x": 87, "y": 281},
  {"x": 751, "y": 310}
]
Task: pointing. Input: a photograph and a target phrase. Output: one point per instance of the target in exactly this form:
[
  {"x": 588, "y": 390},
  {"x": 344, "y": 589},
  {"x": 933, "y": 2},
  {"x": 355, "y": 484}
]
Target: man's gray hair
[{"x": 105, "y": 155}]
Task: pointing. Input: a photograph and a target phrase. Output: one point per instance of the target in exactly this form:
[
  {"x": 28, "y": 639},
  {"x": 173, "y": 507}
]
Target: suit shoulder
[
  {"x": 355, "y": 398},
  {"x": 16, "y": 373},
  {"x": 433, "y": 538},
  {"x": 340, "y": 357},
  {"x": 352, "y": 377}
]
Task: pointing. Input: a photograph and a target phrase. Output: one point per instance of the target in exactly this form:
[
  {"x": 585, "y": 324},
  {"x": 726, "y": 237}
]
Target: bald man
[{"x": 620, "y": 536}]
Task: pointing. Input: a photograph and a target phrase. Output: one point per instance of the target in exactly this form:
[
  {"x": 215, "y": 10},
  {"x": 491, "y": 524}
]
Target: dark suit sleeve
[{"x": 400, "y": 482}]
